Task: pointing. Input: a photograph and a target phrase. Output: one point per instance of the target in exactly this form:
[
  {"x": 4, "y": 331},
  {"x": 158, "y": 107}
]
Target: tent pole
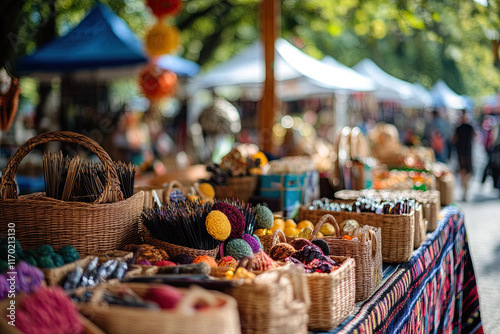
[{"x": 269, "y": 22}]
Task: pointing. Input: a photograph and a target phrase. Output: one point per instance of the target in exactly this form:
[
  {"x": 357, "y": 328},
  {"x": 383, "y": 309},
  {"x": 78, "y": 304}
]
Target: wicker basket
[
  {"x": 332, "y": 295},
  {"x": 366, "y": 253},
  {"x": 275, "y": 303},
  {"x": 114, "y": 319},
  {"x": 173, "y": 250},
  {"x": 55, "y": 276},
  {"x": 269, "y": 240},
  {"x": 108, "y": 224},
  {"x": 431, "y": 203},
  {"x": 446, "y": 186},
  {"x": 420, "y": 226},
  {"x": 149, "y": 201},
  {"x": 173, "y": 185},
  {"x": 241, "y": 188},
  {"x": 397, "y": 231}
]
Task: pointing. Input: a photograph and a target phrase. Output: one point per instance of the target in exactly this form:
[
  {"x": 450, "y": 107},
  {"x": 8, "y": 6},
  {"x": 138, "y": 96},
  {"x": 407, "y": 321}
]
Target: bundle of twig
[
  {"x": 60, "y": 175},
  {"x": 181, "y": 223}
]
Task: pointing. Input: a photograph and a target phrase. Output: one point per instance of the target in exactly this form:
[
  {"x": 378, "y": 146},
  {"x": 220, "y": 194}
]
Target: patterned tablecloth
[{"x": 435, "y": 292}]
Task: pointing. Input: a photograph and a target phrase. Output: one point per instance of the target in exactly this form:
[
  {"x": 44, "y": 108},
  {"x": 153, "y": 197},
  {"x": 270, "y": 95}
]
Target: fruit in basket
[
  {"x": 264, "y": 217},
  {"x": 306, "y": 233},
  {"x": 279, "y": 223},
  {"x": 260, "y": 232},
  {"x": 352, "y": 222},
  {"x": 167, "y": 297},
  {"x": 165, "y": 264},
  {"x": 305, "y": 223},
  {"x": 290, "y": 223},
  {"x": 291, "y": 231},
  {"x": 320, "y": 235},
  {"x": 327, "y": 229},
  {"x": 218, "y": 225}
]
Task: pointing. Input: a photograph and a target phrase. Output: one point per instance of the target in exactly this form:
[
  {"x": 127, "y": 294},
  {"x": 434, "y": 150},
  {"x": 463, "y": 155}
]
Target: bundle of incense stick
[
  {"x": 182, "y": 224},
  {"x": 71, "y": 179},
  {"x": 247, "y": 211}
]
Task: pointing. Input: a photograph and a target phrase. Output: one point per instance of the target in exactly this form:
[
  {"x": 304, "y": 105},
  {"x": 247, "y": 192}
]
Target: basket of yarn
[
  {"x": 363, "y": 244},
  {"x": 163, "y": 309},
  {"x": 107, "y": 224}
]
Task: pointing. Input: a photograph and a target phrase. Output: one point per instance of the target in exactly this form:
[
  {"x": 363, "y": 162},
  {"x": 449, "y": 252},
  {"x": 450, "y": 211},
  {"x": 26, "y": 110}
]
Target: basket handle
[
  {"x": 111, "y": 192},
  {"x": 199, "y": 192},
  {"x": 328, "y": 218},
  {"x": 370, "y": 235},
  {"x": 295, "y": 275},
  {"x": 171, "y": 186},
  {"x": 276, "y": 237}
]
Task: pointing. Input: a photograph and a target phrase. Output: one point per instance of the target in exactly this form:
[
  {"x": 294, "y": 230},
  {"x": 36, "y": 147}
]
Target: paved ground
[{"x": 482, "y": 220}]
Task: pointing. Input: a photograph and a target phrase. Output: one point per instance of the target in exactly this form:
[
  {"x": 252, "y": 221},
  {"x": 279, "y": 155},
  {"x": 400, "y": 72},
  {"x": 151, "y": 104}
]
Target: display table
[{"x": 435, "y": 292}]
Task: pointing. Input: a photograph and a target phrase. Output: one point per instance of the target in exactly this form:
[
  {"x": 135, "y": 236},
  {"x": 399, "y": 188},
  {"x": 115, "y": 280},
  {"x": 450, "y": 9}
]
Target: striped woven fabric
[{"x": 435, "y": 292}]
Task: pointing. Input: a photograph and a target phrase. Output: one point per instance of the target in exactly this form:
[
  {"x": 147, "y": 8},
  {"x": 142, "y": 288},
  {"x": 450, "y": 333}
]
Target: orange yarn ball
[{"x": 207, "y": 259}]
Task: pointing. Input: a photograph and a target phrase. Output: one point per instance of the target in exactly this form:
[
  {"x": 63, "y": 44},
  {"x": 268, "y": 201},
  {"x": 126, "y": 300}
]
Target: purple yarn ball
[
  {"x": 235, "y": 218},
  {"x": 182, "y": 259},
  {"x": 29, "y": 278},
  {"x": 252, "y": 242},
  {"x": 4, "y": 286},
  {"x": 144, "y": 262}
]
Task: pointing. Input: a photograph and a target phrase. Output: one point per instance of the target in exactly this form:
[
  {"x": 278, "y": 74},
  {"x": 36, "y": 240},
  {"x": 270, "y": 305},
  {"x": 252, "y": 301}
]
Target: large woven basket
[
  {"x": 420, "y": 226},
  {"x": 275, "y": 302},
  {"x": 366, "y": 253},
  {"x": 115, "y": 319},
  {"x": 332, "y": 295},
  {"x": 109, "y": 223},
  {"x": 397, "y": 231},
  {"x": 241, "y": 188},
  {"x": 173, "y": 250}
]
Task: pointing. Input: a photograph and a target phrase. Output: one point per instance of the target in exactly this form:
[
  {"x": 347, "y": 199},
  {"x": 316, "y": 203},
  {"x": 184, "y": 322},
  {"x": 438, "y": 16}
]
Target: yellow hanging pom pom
[{"x": 162, "y": 39}]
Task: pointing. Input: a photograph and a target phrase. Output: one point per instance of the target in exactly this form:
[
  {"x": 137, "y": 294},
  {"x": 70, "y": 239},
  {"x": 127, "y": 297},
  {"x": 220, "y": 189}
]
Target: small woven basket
[
  {"x": 173, "y": 250},
  {"x": 113, "y": 319},
  {"x": 332, "y": 295},
  {"x": 241, "y": 188},
  {"x": 108, "y": 224},
  {"x": 366, "y": 253},
  {"x": 172, "y": 186},
  {"x": 446, "y": 186},
  {"x": 397, "y": 231},
  {"x": 269, "y": 240},
  {"x": 420, "y": 226},
  {"x": 56, "y": 276}
]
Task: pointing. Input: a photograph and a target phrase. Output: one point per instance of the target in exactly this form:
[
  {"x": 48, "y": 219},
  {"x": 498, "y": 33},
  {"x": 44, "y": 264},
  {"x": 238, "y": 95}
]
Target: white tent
[
  {"x": 295, "y": 72},
  {"x": 392, "y": 88},
  {"x": 444, "y": 96}
]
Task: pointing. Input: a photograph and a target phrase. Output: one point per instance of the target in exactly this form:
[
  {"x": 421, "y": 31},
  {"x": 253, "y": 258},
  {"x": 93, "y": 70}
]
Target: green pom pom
[
  {"x": 3, "y": 266},
  {"x": 58, "y": 260},
  {"x": 45, "y": 250},
  {"x": 238, "y": 248},
  {"x": 19, "y": 249},
  {"x": 264, "y": 217},
  {"x": 69, "y": 254},
  {"x": 46, "y": 262}
]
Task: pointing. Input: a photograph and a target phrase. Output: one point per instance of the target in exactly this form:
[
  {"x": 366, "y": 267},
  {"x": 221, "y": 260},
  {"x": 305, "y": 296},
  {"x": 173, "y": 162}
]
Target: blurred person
[
  {"x": 463, "y": 138},
  {"x": 491, "y": 143},
  {"x": 437, "y": 135}
]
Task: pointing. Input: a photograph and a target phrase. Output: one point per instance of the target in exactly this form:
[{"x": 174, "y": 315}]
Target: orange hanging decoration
[
  {"x": 162, "y": 39},
  {"x": 157, "y": 83},
  {"x": 162, "y": 8}
]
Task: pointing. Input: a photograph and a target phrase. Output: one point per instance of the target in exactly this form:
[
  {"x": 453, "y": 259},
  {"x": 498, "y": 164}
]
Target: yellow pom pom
[
  {"x": 207, "y": 190},
  {"x": 162, "y": 39},
  {"x": 218, "y": 226}
]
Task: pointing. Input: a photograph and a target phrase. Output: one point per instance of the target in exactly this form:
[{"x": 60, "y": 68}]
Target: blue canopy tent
[
  {"x": 101, "y": 46},
  {"x": 444, "y": 97}
]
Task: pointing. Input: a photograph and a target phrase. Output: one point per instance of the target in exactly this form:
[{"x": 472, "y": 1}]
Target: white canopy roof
[
  {"x": 295, "y": 72},
  {"x": 392, "y": 88},
  {"x": 444, "y": 96}
]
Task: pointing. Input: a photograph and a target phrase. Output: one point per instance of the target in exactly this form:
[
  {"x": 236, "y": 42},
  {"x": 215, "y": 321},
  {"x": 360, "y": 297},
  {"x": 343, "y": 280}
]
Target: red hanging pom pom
[
  {"x": 164, "y": 7},
  {"x": 157, "y": 83}
]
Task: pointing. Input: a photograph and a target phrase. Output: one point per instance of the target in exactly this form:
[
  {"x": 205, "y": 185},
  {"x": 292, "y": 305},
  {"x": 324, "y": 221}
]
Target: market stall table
[{"x": 435, "y": 292}]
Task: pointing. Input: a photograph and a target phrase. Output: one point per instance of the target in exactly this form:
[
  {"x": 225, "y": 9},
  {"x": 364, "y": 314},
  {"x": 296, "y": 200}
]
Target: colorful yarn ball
[
  {"x": 281, "y": 251},
  {"x": 167, "y": 297},
  {"x": 29, "y": 257},
  {"x": 254, "y": 244},
  {"x": 182, "y": 259},
  {"x": 299, "y": 243},
  {"x": 48, "y": 310},
  {"x": 45, "y": 262},
  {"x": 45, "y": 250},
  {"x": 235, "y": 218},
  {"x": 29, "y": 278},
  {"x": 206, "y": 259},
  {"x": 218, "y": 226},
  {"x": 228, "y": 262},
  {"x": 323, "y": 245},
  {"x": 165, "y": 264},
  {"x": 207, "y": 190},
  {"x": 262, "y": 261},
  {"x": 143, "y": 262},
  {"x": 238, "y": 248},
  {"x": 69, "y": 254},
  {"x": 264, "y": 217},
  {"x": 58, "y": 260}
]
